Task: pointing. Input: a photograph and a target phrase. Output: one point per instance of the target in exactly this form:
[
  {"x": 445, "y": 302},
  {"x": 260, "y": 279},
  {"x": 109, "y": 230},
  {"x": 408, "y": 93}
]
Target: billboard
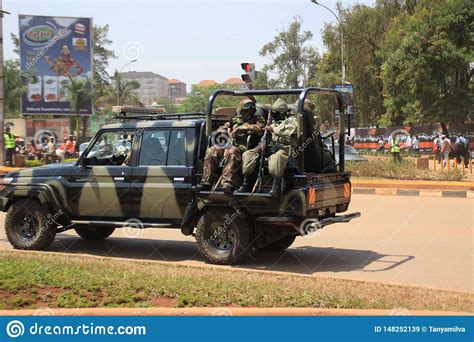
[{"x": 54, "y": 52}]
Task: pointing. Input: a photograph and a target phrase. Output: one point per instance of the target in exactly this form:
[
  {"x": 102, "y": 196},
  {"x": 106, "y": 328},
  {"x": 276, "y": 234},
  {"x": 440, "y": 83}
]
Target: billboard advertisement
[{"x": 55, "y": 55}]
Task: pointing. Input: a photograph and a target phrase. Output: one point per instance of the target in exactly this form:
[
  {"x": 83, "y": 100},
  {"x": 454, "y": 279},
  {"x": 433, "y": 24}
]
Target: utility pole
[
  {"x": 343, "y": 68},
  {"x": 2, "y": 90},
  {"x": 117, "y": 79}
]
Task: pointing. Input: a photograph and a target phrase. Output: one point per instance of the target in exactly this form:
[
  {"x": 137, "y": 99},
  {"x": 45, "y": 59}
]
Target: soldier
[
  {"x": 283, "y": 128},
  {"x": 246, "y": 122}
]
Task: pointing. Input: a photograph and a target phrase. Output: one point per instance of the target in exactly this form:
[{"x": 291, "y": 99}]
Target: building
[
  {"x": 152, "y": 86},
  {"x": 235, "y": 82},
  {"x": 177, "y": 89},
  {"x": 206, "y": 83}
]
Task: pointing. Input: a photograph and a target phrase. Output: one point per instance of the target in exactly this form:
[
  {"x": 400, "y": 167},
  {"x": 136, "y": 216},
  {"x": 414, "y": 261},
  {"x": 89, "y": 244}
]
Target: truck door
[
  {"x": 161, "y": 181},
  {"x": 100, "y": 185}
]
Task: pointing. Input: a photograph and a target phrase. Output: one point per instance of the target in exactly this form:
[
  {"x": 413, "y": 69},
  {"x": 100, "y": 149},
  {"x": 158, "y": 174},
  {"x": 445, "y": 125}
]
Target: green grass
[
  {"x": 33, "y": 280},
  {"x": 407, "y": 169}
]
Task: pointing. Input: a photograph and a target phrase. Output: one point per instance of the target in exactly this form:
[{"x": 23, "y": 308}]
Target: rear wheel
[
  {"x": 281, "y": 244},
  {"x": 224, "y": 237},
  {"x": 27, "y": 225},
  {"x": 94, "y": 232}
]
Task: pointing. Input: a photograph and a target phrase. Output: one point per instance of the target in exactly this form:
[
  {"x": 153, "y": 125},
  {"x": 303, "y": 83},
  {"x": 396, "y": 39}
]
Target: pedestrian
[
  {"x": 10, "y": 147},
  {"x": 395, "y": 148},
  {"x": 348, "y": 141},
  {"x": 69, "y": 151},
  {"x": 437, "y": 144},
  {"x": 51, "y": 156},
  {"x": 33, "y": 152},
  {"x": 381, "y": 147},
  {"x": 409, "y": 143},
  {"x": 416, "y": 144},
  {"x": 445, "y": 149},
  {"x": 461, "y": 149}
]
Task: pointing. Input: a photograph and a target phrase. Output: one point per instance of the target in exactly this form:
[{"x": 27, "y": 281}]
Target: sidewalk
[{"x": 224, "y": 311}]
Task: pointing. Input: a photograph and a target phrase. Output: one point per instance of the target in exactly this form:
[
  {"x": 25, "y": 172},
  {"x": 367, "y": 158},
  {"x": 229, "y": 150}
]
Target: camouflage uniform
[
  {"x": 246, "y": 122},
  {"x": 282, "y": 131}
]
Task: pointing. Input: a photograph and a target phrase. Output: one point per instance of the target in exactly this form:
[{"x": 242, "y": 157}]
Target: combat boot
[
  {"x": 247, "y": 184},
  {"x": 227, "y": 187},
  {"x": 276, "y": 187},
  {"x": 204, "y": 186}
]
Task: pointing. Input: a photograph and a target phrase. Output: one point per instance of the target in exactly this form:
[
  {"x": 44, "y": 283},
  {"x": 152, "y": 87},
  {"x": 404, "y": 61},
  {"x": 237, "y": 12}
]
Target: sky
[{"x": 184, "y": 39}]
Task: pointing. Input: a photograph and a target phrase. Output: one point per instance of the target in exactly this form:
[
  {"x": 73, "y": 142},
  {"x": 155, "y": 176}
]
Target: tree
[
  {"x": 364, "y": 28},
  {"x": 426, "y": 75},
  {"x": 170, "y": 107},
  {"x": 79, "y": 94},
  {"x": 293, "y": 61},
  {"x": 14, "y": 88},
  {"x": 197, "y": 99},
  {"x": 127, "y": 94},
  {"x": 102, "y": 54}
]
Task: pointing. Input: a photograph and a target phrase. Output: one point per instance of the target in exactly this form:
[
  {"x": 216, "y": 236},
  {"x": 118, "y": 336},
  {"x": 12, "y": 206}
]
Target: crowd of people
[
  {"x": 444, "y": 147},
  {"x": 47, "y": 151}
]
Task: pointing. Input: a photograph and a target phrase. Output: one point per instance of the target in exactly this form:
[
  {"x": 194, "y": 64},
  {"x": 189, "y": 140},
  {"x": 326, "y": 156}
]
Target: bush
[
  {"x": 70, "y": 160},
  {"x": 407, "y": 169},
  {"x": 33, "y": 163}
]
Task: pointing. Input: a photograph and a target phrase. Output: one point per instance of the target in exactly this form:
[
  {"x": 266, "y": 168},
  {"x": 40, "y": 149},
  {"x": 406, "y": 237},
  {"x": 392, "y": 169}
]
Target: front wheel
[
  {"x": 27, "y": 225},
  {"x": 224, "y": 237},
  {"x": 94, "y": 232}
]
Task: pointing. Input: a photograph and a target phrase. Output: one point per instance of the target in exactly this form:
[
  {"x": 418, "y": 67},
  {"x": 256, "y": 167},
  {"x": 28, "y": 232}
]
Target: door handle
[
  {"x": 121, "y": 179},
  {"x": 83, "y": 180}
]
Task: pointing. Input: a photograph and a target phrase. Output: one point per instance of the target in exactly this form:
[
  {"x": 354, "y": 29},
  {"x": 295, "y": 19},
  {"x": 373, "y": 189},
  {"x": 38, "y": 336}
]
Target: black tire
[
  {"x": 27, "y": 225},
  {"x": 280, "y": 245},
  {"x": 94, "y": 232},
  {"x": 224, "y": 237}
]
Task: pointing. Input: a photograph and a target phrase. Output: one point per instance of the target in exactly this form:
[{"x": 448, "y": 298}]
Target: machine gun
[{"x": 264, "y": 145}]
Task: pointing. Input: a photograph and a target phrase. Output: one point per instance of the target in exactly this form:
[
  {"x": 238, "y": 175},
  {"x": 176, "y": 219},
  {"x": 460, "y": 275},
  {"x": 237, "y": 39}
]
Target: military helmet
[
  {"x": 280, "y": 106},
  {"x": 309, "y": 105},
  {"x": 246, "y": 105}
]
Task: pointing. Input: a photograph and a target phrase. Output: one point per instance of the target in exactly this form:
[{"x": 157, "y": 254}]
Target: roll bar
[{"x": 303, "y": 94}]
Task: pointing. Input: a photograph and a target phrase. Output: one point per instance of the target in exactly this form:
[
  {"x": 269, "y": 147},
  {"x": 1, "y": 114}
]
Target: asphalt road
[{"x": 420, "y": 241}]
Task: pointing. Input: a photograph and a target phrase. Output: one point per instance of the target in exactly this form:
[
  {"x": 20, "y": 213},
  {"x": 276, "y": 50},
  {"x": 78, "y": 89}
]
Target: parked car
[{"x": 350, "y": 153}]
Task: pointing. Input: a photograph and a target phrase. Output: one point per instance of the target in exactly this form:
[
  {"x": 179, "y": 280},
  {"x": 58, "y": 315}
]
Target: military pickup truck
[{"x": 145, "y": 169}]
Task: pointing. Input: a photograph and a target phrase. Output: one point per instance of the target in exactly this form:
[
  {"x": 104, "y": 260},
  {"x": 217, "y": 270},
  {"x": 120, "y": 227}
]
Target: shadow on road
[{"x": 304, "y": 259}]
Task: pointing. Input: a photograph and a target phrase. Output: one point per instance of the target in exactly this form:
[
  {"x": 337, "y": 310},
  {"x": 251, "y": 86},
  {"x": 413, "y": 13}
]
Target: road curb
[
  {"x": 225, "y": 311},
  {"x": 411, "y": 184},
  {"x": 413, "y": 192}
]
